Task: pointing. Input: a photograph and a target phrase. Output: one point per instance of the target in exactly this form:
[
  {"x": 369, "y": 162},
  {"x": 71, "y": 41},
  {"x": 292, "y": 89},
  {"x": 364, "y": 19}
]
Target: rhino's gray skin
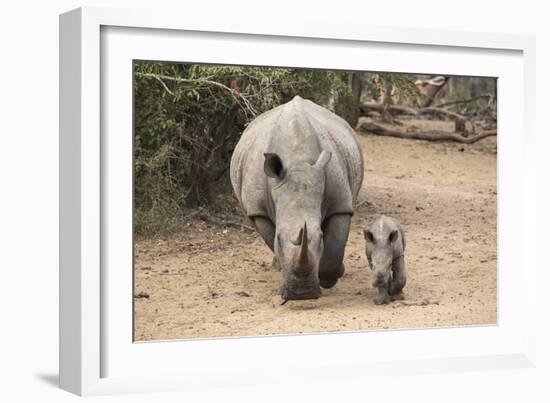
[
  {"x": 296, "y": 172},
  {"x": 385, "y": 248}
]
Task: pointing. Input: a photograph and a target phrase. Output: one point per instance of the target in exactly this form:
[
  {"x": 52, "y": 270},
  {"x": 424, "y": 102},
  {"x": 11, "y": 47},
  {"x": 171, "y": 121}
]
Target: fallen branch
[
  {"x": 365, "y": 107},
  {"x": 442, "y": 112},
  {"x": 460, "y": 120},
  {"x": 465, "y": 101},
  {"x": 403, "y": 110},
  {"x": 380, "y": 130}
]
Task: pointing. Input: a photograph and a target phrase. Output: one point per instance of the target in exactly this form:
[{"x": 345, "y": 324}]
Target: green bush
[{"x": 188, "y": 119}]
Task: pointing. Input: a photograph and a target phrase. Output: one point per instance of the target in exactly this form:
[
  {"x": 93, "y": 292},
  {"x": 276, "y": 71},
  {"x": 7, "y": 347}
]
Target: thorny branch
[{"x": 238, "y": 97}]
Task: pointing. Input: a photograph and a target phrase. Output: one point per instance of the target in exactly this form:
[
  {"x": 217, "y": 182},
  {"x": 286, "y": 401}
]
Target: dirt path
[{"x": 213, "y": 282}]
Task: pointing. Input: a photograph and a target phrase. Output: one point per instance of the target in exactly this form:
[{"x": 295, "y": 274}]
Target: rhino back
[
  {"x": 339, "y": 133},
  {"x": 322, "y": 130}
]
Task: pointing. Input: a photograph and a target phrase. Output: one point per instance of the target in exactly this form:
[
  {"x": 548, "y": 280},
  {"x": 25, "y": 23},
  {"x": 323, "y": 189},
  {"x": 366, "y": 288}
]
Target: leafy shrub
[{"x": 188, "y": 119}]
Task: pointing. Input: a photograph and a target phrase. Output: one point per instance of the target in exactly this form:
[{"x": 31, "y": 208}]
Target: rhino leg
[
  {"x": 335, "y": 235},
  {"x": 398, "y": 277},
  {"x": 266, "y": 229},
  {"x": 383, "y": 296}
]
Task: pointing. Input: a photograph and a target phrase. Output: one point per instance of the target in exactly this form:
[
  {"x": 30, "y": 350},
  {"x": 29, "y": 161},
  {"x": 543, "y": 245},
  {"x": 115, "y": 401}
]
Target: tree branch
[
  {"x": 375, "y": 128},
  {"x": 465, "y": 101},
  {"x": 239, "y": 98},
  {"x": 397, "y": 109},
  {"x": 164, "y": 85}
]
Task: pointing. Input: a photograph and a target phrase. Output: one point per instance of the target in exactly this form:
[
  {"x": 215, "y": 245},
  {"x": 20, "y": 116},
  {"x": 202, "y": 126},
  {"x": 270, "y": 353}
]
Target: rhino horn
[
  {"x": 301, "y": 258},
  {"x": 298, "y": 240}
]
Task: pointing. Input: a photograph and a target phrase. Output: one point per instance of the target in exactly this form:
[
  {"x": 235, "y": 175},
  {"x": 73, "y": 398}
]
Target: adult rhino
[{"x": 296, "y": 172}]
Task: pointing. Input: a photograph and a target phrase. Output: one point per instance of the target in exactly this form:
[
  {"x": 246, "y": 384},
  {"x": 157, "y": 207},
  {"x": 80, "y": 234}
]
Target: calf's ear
[
  {"x": 323, "y": 159},
  {"x": 369, "y": 237},
  {"x": 273, "y": 166}
]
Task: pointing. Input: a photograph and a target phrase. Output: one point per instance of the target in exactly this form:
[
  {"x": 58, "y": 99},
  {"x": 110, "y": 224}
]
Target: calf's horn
[{"x": 298, "y": 240}]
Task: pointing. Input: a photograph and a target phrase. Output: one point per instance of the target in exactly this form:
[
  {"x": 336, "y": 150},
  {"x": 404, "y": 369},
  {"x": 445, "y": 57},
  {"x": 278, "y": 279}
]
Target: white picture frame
[{"x": 96, "y": 355}]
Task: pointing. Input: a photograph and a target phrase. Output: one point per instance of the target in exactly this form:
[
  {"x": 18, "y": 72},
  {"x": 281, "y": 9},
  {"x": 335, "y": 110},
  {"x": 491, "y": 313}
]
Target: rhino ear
[
  {"x": 369, "y": 236},
  {"x": 323, "y": 159},
  {"x": 273, "y": 166}
]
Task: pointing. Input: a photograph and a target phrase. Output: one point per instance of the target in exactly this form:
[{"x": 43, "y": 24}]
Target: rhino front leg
[
  {"x": 266, "y": 229},
  {"x": 383, "y": 296},
  {"x": 335, "y": 235},
  {"x": 398, "y": 277}
]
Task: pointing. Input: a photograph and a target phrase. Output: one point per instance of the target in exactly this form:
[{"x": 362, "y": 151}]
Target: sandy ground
[{"x": 212, "y": 281}]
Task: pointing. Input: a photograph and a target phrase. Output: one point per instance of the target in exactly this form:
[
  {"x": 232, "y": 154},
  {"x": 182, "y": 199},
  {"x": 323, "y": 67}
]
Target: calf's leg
[
  {"x": 398, "y": 277},
  {"x": 383, "y": 296}
]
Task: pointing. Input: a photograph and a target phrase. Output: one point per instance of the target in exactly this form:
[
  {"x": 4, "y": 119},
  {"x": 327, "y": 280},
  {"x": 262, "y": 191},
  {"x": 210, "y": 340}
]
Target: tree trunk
[
  {"x": 387, "y": 102},
  {"x": 356, "y": 86},
  {"x": 433, "y": 94}
]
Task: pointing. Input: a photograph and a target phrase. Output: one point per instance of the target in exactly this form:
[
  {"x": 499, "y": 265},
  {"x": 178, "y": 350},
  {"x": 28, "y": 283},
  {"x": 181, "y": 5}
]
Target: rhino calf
[{"x": 385, "y": 248}]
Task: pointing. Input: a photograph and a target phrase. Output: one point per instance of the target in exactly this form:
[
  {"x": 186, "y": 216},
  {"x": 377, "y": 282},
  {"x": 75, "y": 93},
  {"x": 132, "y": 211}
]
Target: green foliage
[
  {"x": 188, "y": 119},
  {"x": 458, "y": 88},
  {"x": 467, "y": 88}
]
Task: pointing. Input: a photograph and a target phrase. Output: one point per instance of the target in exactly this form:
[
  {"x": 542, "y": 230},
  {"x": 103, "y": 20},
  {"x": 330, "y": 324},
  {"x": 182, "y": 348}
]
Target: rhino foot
[
  {"x": 396, "y": 287},
  {"x": 398, "y": 297},
  {"x": 328, "y": 280},
  {"x": 381, "y": 299}
]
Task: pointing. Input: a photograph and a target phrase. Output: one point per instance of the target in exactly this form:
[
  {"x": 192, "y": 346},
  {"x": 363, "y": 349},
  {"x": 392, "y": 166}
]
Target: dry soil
[{"x": 215, "y": 281}]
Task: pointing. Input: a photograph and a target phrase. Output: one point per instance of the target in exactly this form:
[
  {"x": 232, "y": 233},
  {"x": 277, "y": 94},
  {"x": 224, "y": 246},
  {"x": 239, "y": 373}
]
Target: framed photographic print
[{"x": 328, "y": 199}]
